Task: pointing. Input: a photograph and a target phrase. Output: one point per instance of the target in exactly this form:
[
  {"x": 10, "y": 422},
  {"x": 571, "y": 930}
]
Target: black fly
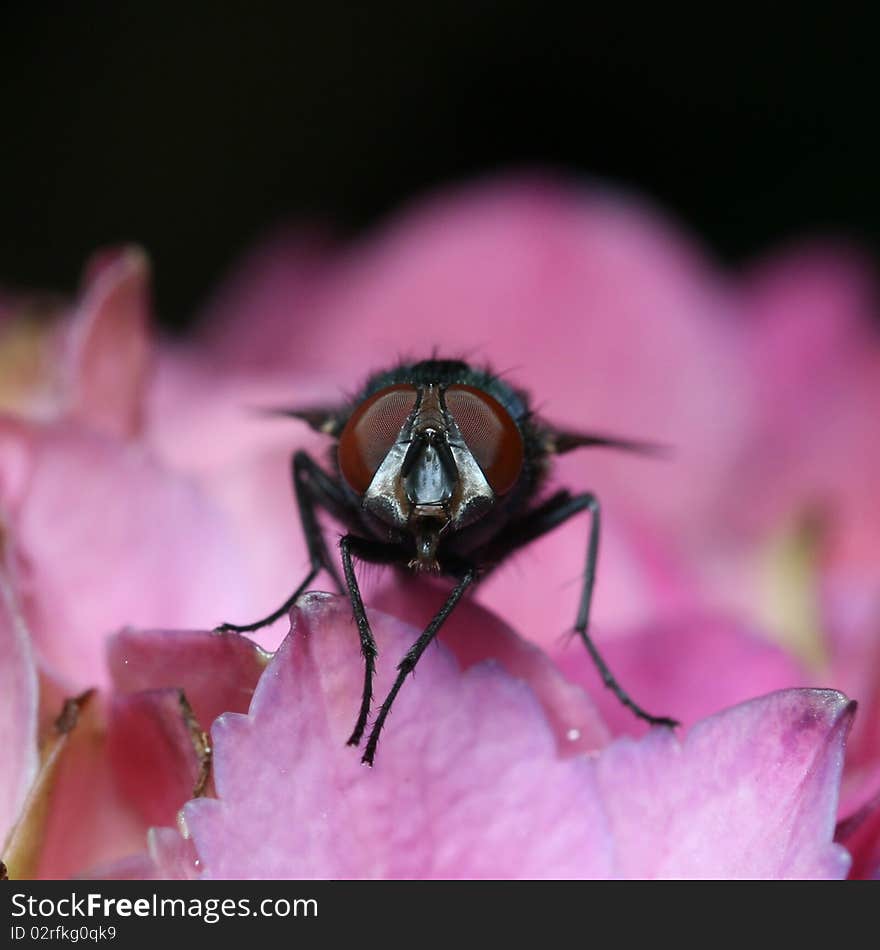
[{"x": 437, "y": 467}]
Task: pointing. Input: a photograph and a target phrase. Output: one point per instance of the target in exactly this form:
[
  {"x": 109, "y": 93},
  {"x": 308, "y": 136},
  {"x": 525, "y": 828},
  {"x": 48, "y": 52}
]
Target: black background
[{"x": 192, "y": 129}]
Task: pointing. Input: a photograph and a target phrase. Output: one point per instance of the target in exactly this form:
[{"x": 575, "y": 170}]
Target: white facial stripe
[{"x": 428, "y": 483}]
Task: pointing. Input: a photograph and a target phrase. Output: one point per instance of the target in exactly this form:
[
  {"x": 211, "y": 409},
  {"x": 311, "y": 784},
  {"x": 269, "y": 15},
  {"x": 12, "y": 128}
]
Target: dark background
[{"x": 193, "y": 132}]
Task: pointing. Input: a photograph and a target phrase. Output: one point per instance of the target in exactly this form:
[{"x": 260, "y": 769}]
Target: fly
[{"x": 437, "y": 466}]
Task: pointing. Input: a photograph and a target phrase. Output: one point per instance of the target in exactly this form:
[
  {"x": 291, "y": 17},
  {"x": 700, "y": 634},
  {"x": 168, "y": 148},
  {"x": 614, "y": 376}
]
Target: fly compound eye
[
  {"x": 371, "y": 432},
  {"x": 490, "y": 433}
]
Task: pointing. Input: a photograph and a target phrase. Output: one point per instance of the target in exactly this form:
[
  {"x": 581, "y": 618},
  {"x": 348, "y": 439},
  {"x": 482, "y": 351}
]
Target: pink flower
[
  {"x": 471, "y": 782},
  {"x": 481, "y": 775},
  {"x": 137, "y": 491}
]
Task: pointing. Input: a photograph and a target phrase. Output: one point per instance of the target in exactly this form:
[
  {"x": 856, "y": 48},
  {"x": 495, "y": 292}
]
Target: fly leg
[
  {"x": 408, "y": 663},
  {"x": 313, "y": 487},
  {"x": 543, "y": 519},
  {"x": 377, "y": 553}
]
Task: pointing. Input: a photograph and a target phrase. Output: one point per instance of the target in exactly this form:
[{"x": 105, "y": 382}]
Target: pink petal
[
  {"x": 108, "y": 347},
  {"x": 750, "y": 793},
  {"x": 466, "y": 766},
  {"x": 810, "y": 319},
  {"x": 18, "y": 448},
  {"x": 467, "y": 781},
  {"x": 474, "y": 634},
  {"x": 169, "y": 857},
  {"x": 686, "y": 668},
  {"x": 638, "y": 579},
  {"x": 18, "y": 709},
  {"x": 203, "y": 421},
  {"x": 860, "y": 833},
  {"x": 173, "y": 856},
  {"x": 75, "y": 818},
  {"x": 217, "y": 672},
  {"x": 211, "y": 429},
  {"x": 153, "y": 744},
  {"x": 103, "y": 538},
  {"x": 812, "y": 351},
  {"x": 136, "y": 867},
  {"x": 274, "y": 281},
  {"x": 852, "y": 608}
]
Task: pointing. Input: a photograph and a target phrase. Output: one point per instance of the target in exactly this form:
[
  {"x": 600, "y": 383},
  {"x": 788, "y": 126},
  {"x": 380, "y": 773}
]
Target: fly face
[{"x": 428, "y": 459}]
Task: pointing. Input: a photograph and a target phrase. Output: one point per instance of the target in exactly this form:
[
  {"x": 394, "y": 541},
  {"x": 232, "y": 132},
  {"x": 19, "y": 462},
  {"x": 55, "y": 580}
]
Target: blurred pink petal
[
  {"x": 104, "y": 537},
  {"x": 467, "y": 782},
  {"x": 204, "y": 420},
  {"x": 107, "y": 347},
  {"x": 639, "y": 578},
  {"x": 812, "y": 352},
  {"x": 686, "y": 668},
  {"x": 860, "y": 834},
  {"x": 18, "y": 442},
  {"x": 212, "y": 430},
  {"x": 155, "y": 748},
  {"x": 809, "y": 322},
  {"x": 218, "y": 672},
  {"x": 74, "y": 817},
  {"x": 853, "y": 617},
  {"x": 18, "y": 709},
  {"x": 274, "y": 285}
]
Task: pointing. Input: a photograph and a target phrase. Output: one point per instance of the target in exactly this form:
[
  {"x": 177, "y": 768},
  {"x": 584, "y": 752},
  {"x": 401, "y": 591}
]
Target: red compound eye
[
  {"x": 490, "y": 434},
  {"x": 371, "y": 431}
]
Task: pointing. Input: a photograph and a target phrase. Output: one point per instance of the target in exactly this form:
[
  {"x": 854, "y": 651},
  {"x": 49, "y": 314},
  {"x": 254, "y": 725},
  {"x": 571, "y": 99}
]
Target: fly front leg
[
  {"x": 312, "y": 488},
  {"x": 408, "y": 663},
  {"x": 368, "y": 642},
  {"x": 377, "y": 553}
]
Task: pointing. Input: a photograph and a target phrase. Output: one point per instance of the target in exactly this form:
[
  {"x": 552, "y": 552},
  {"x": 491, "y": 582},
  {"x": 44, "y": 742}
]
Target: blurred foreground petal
[{"x": 18, "y": 709}]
